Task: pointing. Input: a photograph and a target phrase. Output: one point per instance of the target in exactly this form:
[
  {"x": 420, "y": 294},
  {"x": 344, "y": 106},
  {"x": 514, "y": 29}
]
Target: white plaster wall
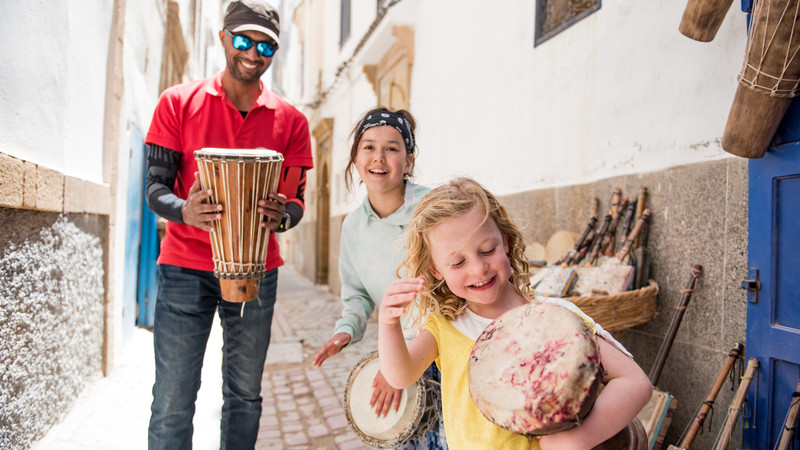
[
  {"x": 620, "y": 92},
  {"x": 54, "y": 61}
]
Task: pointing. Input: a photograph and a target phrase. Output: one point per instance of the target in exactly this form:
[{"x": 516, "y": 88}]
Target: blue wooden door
[{"x": 773, "y": 312}]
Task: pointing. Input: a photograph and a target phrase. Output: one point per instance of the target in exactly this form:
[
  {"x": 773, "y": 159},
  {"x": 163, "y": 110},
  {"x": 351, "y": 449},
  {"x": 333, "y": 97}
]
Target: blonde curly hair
[{"x": 454, "y": 199}]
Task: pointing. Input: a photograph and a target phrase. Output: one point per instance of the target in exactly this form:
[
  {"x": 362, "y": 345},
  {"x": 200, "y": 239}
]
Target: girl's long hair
[{"x": 447, "y": 202}]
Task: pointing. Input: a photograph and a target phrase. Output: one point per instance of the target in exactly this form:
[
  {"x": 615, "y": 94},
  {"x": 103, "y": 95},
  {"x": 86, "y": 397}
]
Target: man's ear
[{"x": 436, "y": 273}]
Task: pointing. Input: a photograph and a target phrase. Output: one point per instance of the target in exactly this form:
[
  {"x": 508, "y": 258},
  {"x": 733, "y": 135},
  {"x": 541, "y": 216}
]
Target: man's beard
[{"x": 245, "y": 77}]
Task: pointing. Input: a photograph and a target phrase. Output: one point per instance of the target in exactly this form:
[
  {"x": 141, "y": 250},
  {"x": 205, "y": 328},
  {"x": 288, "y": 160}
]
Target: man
[{"x": 231, "y": 109}]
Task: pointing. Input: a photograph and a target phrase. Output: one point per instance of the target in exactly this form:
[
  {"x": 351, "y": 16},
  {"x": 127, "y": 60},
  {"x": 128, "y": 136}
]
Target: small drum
[
  {"x": 535, "y": 370},
  {"x": 418, "y": 412},
  {"x": 239, "y": 178}
]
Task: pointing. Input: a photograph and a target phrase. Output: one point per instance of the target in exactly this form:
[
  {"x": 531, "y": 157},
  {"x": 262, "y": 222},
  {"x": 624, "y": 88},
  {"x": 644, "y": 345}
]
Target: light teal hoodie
[{"x": 370, "y": 252}]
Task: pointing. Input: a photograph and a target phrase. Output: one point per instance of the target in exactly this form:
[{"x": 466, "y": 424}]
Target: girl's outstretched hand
[
  {"x": 332, "y": 347},
  {"x": 397, "y": 297}
]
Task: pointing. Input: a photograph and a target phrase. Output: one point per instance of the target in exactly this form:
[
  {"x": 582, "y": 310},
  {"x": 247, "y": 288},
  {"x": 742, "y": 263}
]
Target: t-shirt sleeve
[
  {"x": 298, "y": 151},
  {"x": 165, "y": 128}
]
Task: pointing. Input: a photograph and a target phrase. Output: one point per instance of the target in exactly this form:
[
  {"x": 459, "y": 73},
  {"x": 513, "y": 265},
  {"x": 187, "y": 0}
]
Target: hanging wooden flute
[
  {"x": 640, "y": 203},
  {"x": 567, "y": 258},
  {"x": 609, "y": 241},
  {"x": 790, "y": 424},
  {"x": 697, "y": 424},
  {"x": 642, "y": 257},
  {"x": 661, "y": 358},
  {"x": 598, "y": 239},
  {"x": 736, "y": 405},
  {"x": 628, "y": 244},
  {"x": 627, "y": 222}
]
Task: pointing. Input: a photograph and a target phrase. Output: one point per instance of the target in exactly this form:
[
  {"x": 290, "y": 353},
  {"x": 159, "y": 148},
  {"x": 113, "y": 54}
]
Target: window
[
  {"x": 555, "y": 16},
  {"x": 344, "y": 26}
]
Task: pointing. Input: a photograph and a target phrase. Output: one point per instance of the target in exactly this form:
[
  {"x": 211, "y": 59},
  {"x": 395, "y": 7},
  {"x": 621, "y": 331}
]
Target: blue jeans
[
  {"x": 185, "y": 307},
  {"x": 435, "y": 438}
]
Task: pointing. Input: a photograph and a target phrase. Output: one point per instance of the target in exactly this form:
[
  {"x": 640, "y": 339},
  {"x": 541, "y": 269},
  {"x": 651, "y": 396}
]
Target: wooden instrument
[
  {"x": 736, "y": 405},
  {"x": 627, "y": 222},
  {"x": 640, "y": 211},
  {"x": 768, "y": 80},
  {"x": 612, "y": 276},
  {"x": 238, "y": 179},
  {"x": 598, "y": 239},
  {"x": 567, "y": 258},
  {"x": 536, "y": 370},
  {"x": 666, "y": 345},
  {"x": 608, "y": 245},
  {"x": 700, "y": 417},
  {"x": 790, "y": 424},
  {"x": 657, "y": 415},
  {"x": 702, "y": 18},
  {"x": 418, "y": 412}
]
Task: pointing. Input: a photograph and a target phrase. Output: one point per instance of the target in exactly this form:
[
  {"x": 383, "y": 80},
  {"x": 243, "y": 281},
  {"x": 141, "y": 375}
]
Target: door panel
[{"x": 773, "y": 317}]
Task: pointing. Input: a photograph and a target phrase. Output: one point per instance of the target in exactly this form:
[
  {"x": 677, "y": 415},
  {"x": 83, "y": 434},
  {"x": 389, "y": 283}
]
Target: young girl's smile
[
  {"x": 382, "y": 160},
  {"x": 470, "y": 254}
]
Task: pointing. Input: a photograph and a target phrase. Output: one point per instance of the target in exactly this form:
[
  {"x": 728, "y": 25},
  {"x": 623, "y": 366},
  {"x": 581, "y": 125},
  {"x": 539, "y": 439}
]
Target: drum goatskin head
[{"x": 535, "y": 370}]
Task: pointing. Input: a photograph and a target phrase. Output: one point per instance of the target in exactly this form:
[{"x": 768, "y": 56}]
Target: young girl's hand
[
  {"x": 397, "y": 297},
  {"x": 332, "y": 347},
  {"x": 384, "y": 396}
]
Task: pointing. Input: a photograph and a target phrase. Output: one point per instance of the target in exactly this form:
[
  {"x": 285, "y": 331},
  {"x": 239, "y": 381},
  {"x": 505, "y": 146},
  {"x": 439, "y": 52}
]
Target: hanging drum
[
  {"x": 702, "y": 18},
  {"x": 768, "y": 80}
]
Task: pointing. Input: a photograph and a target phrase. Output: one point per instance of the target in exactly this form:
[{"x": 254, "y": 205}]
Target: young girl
[
  {"x": 466, "y": 259},
  {"x": 371, "y": 250}
]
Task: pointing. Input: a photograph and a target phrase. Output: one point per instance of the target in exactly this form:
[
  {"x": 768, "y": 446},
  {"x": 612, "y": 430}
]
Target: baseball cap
[{"x": 252, "y": 15}]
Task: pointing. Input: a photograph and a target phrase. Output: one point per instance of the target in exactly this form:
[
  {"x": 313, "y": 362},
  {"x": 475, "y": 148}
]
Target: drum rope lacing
[{"x": 776, "y": 85}]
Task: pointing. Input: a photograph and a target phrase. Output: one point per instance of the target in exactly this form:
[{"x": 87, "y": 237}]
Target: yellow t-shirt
[{"x": 464, "y": 424}]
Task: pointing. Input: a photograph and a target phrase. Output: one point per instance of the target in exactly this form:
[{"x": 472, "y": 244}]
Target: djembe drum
[
  {"x": 418, "y": 412},
  {"x": 536, "y": 370},
  {"x": 769, "y": 78},
  {"x": 238, "y": 179}
]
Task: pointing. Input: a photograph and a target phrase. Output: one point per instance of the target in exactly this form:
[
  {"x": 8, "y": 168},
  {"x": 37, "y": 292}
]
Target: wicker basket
[{"x": 620, "y": 311}]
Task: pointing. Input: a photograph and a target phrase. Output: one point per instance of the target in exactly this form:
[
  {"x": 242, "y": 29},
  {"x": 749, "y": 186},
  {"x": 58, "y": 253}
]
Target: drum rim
[
  {"x": 238, "y": 153},
  {"x": 407, "y": 432}
]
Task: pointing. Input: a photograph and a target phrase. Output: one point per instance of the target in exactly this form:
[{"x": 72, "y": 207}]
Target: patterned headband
[{"x": 386, "y": 117}]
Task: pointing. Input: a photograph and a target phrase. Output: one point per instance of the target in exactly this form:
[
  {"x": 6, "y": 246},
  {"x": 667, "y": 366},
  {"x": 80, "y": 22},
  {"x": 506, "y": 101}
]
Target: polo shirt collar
[
  {"x": 399, "y": 217},
  {"x": 267, "y": 98}
]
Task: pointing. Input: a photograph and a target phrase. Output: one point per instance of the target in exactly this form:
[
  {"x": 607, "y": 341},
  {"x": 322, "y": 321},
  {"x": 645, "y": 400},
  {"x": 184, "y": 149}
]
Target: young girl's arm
[
  {"x": 402, "y": 364},
  {"x": 626, "y": 392}
]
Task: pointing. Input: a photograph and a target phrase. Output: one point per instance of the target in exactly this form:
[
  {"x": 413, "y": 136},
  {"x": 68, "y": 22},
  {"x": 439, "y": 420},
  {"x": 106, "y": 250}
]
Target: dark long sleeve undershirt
[{"x": 162, "y": 169}]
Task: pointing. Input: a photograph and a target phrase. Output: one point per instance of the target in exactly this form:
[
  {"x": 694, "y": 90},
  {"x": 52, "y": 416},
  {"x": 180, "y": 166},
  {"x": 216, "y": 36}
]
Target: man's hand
[
  {"x": 272, "y": 209},
  {"x": 196, "y": 212}
]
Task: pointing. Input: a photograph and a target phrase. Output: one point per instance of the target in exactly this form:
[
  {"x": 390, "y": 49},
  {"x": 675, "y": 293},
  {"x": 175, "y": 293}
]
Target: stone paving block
[
  {"x": 295, "y": 439},
  {"x": 337, "y": 421},
  {"x": 317, "y": 431}
]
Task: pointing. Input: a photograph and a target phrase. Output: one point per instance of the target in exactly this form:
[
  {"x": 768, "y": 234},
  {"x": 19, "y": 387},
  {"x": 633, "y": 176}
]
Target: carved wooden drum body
[{"x": 238, "y": 179}]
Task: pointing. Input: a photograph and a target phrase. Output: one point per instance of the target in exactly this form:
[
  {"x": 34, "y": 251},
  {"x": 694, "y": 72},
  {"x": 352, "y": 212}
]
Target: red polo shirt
[{"x": 195, "y": 115}]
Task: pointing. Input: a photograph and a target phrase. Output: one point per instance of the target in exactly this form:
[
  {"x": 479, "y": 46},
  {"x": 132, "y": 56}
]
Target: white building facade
[{"x": 617, "y": 99}]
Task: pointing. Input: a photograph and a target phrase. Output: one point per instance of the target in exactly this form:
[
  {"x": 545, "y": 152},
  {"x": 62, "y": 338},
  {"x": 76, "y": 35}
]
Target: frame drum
[{"x": 416, "y": 416}]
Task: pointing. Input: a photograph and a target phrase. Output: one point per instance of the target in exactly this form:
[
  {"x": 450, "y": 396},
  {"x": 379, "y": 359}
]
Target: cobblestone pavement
[{"x": 302, "y": 404}]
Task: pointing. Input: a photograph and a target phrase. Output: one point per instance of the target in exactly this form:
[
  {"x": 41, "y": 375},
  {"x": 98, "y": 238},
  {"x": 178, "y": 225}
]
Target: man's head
[
  {"x": 250, "y": 37},
  {"x": 252, "y": 15}
]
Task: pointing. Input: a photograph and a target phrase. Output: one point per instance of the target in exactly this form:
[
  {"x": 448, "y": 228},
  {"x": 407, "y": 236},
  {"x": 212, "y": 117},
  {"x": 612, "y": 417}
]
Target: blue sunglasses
[{"x": 243, "y": 43}]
